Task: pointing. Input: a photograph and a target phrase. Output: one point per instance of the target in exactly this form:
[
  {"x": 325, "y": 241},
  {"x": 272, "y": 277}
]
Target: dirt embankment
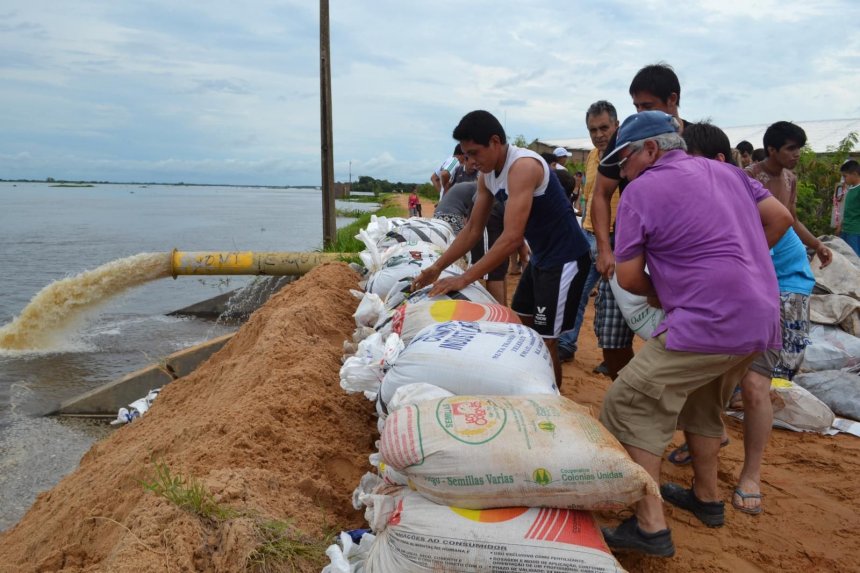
[{"x": 266, "y": 427}]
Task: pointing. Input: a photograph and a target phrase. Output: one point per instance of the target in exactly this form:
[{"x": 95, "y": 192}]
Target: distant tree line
[{"x": 367, "y": 184}]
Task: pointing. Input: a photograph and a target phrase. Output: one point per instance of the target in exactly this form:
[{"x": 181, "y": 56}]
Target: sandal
[
  {"x": 684, "y": 450},
  {"x": 711, "y": 513},
  {"x": 745, "y": 496}
]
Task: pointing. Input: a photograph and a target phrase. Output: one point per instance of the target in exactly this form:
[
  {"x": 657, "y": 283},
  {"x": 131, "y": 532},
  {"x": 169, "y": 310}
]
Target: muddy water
[{"x": 111, "y": 320}]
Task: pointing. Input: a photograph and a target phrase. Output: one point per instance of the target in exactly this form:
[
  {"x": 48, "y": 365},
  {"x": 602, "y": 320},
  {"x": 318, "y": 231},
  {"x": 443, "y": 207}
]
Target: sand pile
[{"x": 264, "y": 425}]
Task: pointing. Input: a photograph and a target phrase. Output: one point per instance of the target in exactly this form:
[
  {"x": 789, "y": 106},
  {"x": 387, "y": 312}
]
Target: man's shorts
[
  {"x": 794, "y": 319},
  {"x": 661, "y": 389},
  {"x": 457, "y": 222},
  {"x": 491, "y": 233},
  {"x": 551, "y": 295},
  {"x": 609, "y": 324}
]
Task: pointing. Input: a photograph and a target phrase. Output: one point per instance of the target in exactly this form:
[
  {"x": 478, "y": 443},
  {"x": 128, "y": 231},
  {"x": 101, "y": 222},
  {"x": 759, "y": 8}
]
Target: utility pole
[
  {"x": 327, "y": 153},
  {"x": 349, "y": 189}
]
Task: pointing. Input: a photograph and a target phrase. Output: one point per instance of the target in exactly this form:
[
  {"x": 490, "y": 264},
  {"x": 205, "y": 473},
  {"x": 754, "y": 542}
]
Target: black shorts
[
  {"x": 491, "y": 234},
  {"x": 551, "y": 295}
]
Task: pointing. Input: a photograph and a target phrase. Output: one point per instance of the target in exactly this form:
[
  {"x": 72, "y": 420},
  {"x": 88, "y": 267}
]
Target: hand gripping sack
[
  {"x": 502, "y": 451},
  {"x": 473, "y": 358},
  {"x": 415, "y": 535},
  {"x": 642, "y": 318},
  {"x": 409, "y": 319},
  {"x": 397, "y": 263},
  {"x": 401, "y": 292}
]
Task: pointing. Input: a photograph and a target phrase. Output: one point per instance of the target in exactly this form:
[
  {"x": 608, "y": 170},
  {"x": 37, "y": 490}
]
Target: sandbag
[
  {"x": 398, "y": 263},
  {"x": 415, "y": 535},
  {"x": 401, "y": 291},
  {"x": 798, "y": 407},
  {"x": 641, "y": 317},
  {"x": 838, "y": 309},
  {"x": 363, "y": 372},
  {"x": 415, "y": 230},
  {"x": 839, "y": 389},
  {"x": 409, "y": 319},
  {"x": 842, "y": 275},
  {"x": 830, "y": 348},
  {"x": 370, "y": 308},
  {"x": 472, "y": 358},
  {"x": 499, "y": 451}
]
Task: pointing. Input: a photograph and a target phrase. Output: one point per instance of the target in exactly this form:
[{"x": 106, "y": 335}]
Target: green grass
[
  {"x": 186, "y": 493},
  {"x": 364, "y": 198},
  {"x": 280, "y": 545},
  {"x": 345, "y": 241}
]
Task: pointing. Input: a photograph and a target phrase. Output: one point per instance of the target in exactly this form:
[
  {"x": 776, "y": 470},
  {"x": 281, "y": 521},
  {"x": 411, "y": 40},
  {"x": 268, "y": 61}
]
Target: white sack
[
  {"x": 505, "y": 451},
  {"x": 473, "y": 358}
]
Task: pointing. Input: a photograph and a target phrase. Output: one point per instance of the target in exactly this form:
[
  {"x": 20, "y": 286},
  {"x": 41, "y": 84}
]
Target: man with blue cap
[{"x": 703, "y": 229}]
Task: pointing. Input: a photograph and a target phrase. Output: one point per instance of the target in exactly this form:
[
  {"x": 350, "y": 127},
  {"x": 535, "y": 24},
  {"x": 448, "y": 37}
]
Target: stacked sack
[{"x": 482, "y": 465}]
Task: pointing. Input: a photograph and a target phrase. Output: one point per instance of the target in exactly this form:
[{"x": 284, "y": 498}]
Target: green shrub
[{"x": 817, "y": 176}]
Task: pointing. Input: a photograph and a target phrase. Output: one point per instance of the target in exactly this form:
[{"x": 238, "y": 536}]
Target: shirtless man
[
  {"x": 783, "y": 141},
  {"x": 536, "y": 209}
]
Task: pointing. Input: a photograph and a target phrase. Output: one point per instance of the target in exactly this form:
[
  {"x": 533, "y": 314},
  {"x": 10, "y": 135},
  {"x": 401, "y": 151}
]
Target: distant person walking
[{"x": 414, "y": 204}]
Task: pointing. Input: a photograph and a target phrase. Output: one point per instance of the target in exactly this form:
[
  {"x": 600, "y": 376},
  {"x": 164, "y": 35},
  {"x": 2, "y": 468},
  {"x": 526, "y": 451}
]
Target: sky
[{"x": 228, "y": 92}]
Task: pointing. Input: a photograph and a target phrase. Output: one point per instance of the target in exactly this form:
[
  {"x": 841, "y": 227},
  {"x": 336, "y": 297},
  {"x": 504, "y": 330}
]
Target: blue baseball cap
[{"x": 639, "y": 126}]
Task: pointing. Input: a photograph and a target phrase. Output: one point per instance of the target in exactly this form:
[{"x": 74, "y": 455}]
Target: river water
[{"x": 52, "y": 233}]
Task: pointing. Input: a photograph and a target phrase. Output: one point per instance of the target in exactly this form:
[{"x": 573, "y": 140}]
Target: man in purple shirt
[{"x": 703, "y": 228}]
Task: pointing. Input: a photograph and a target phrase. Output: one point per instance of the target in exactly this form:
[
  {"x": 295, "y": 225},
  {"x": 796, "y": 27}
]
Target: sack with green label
[{"x": 497, "y": 451}]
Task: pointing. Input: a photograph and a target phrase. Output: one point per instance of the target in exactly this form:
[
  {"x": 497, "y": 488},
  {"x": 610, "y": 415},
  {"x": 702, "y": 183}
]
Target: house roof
[{"x": 821, "y": 134}]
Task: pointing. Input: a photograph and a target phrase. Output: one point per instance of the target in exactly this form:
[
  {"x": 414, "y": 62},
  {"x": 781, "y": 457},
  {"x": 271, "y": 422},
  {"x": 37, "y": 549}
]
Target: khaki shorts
[{"x": 660, "y": 390}]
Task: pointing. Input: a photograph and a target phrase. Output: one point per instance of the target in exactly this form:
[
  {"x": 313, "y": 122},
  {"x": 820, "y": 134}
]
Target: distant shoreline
[{"x": 64, "y": 183}]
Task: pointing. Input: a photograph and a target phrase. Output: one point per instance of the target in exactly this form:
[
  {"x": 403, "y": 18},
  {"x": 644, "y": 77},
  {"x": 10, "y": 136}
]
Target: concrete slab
[{"x": 108, "y": 399}]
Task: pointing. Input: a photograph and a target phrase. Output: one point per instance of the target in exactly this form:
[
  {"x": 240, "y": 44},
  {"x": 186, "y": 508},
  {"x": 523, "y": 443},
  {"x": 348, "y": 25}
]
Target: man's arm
[
  {"x": 472, "y": 231},
  {"x": 775, "y": 218},
  {"x": 446, "y": 180},
  {"x": 437, "y": 183},
  {"x": 601, "y": 200},
  {"x": 523, "y": 178},
  {"x": 811, "y": 240},
  {"x": 632, "y": 277}
]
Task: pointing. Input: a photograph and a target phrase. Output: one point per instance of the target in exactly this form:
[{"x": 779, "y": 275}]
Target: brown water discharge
[{"x": 56, "y": 307}]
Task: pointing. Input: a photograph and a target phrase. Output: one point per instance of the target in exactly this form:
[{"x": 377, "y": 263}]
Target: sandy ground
[{"x": 265, "y": 426}]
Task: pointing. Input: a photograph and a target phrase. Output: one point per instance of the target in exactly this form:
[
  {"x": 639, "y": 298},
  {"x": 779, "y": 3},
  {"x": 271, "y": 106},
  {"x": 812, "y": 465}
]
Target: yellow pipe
[{"x": 247, "y": 262}]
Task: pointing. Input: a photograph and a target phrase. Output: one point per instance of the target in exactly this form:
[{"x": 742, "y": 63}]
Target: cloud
[{"x": 226, "y": 92}]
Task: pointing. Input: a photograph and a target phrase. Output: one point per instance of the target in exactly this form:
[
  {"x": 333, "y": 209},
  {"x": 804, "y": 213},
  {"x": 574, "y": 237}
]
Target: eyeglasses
[{"x": 623, "y": 160}]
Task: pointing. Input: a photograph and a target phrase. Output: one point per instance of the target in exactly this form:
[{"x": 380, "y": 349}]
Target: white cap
[{"x": 561, "y": 152}]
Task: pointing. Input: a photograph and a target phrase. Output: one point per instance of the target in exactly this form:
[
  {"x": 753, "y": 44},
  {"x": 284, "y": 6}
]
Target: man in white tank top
[{"x": 536, "y": 209}]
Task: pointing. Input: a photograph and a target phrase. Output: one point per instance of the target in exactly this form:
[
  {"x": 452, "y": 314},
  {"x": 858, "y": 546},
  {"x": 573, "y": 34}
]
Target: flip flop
[
  {"x": 745, "y": 496},
  {"x": 684, "y": 449}
]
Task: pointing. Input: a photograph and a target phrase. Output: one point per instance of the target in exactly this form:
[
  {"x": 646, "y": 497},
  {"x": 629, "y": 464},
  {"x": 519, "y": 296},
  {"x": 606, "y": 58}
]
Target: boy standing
[{"x": 848, "y": 228}]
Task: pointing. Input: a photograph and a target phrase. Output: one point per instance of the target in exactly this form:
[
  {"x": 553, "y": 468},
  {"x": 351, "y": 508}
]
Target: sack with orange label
[
  {"x": 413, "y": 534},
  {"x": 409, "y": 319}
]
